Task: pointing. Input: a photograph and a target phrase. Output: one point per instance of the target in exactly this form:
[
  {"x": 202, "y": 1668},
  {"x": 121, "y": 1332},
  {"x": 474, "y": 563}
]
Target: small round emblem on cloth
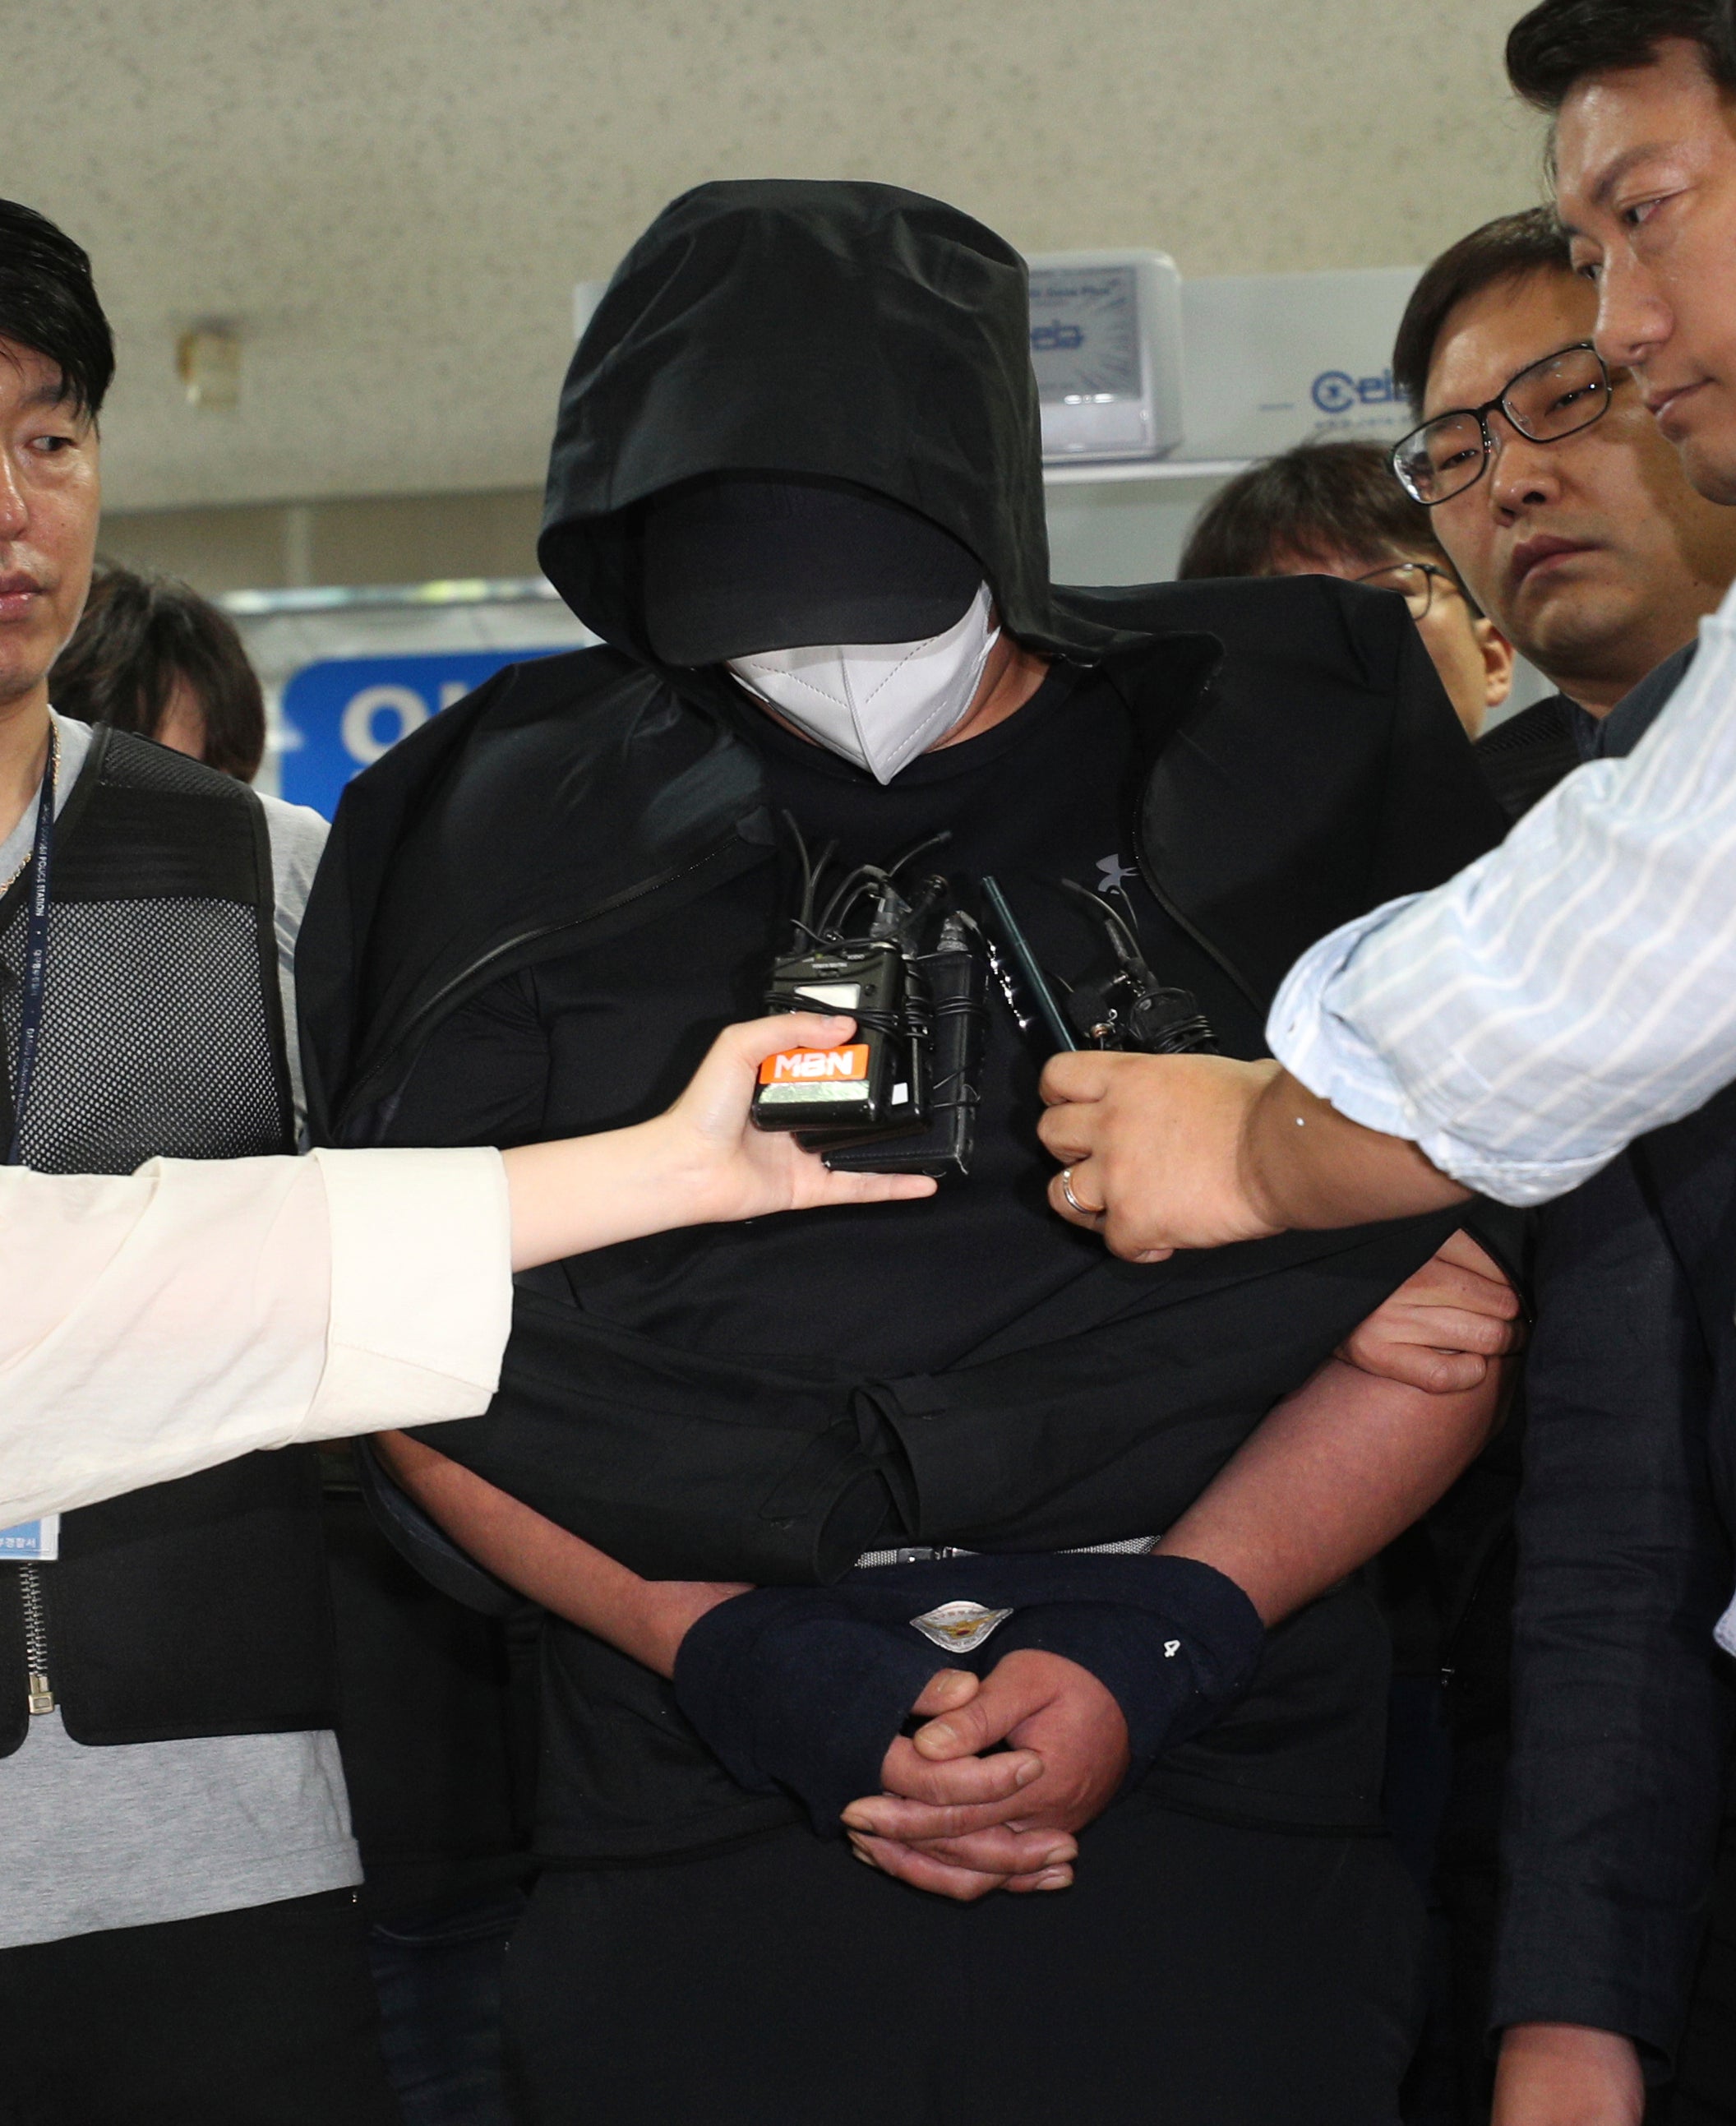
[{"x": 959, "y": 1627}]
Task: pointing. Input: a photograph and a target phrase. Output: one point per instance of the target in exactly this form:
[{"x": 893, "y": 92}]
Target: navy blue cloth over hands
[{"x": 807, "y": 1688}]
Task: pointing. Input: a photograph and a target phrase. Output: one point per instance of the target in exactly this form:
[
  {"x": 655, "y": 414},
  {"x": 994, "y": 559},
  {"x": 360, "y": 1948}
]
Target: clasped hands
[
  {"x": 957, "y": 1820},
  {"x": 1010, "y": 1765},
  {"x": 990, "y": 1793},
  {"x": 1101, "y": 1662}
]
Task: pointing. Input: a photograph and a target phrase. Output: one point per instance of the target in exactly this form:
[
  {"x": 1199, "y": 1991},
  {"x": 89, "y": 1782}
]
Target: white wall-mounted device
[{"x": 1105, "y": 343}]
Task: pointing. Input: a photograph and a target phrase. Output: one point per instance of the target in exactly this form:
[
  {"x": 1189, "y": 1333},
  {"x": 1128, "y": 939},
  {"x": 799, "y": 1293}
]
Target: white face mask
[{"x": 880, "y": 704}]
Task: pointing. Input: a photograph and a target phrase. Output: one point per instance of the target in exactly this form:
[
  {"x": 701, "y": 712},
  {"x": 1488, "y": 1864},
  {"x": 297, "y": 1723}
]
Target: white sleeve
[
  {"x": 161, "y": 1323},
  {"x": 1562, "y": 996}
]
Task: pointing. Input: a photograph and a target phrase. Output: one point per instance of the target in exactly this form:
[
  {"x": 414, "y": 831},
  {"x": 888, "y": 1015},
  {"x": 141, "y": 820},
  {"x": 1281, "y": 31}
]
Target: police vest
[{"x": 197, "y": 1607}]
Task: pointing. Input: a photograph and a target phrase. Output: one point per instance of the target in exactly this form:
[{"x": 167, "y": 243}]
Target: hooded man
[{"x": 796, "y": 488}]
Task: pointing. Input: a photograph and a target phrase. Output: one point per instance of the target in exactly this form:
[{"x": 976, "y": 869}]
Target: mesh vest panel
[
  {"x": 154, "y": 1041},
  {"x": 197, "y": 1607}
]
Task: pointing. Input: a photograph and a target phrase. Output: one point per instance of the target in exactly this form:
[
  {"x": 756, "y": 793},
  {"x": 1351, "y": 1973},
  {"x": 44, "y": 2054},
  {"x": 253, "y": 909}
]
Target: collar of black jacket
[{"x": 1304, "y": 767}]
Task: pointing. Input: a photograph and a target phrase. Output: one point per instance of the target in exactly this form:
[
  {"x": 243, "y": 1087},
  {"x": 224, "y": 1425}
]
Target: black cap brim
[{"x": 738, "y": 564}]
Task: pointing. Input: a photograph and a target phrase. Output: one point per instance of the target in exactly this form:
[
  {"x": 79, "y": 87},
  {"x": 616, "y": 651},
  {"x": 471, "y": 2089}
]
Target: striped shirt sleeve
[{"x": 1565, "y": 994}]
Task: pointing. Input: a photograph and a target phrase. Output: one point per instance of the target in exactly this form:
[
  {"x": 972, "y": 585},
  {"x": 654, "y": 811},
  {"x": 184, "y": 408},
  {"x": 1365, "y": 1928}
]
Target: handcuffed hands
[
  {"x": 803, "y": 1688},
  {"x": 931, "y": 1827},
  {"x": 1105, "y": 1662},
  {"x": 1097, "y": 1688}
]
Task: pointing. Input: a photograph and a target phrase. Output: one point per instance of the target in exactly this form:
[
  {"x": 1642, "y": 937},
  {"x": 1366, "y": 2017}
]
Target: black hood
[
  {"x": 1306, "y": 764},
  {"x": 837, "y": 331}
]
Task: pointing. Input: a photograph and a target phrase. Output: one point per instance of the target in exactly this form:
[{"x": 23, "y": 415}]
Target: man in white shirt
[
  {"x": 1559, "y": 998},
  {"x": 1513, "y": 1030}
]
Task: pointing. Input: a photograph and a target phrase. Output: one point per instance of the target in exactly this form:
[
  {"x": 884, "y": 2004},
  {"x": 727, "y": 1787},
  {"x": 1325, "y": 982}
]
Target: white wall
[{"x": 394, "y": 203}]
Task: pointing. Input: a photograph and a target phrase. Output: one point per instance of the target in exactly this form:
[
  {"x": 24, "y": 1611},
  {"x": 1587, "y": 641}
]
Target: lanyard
[{"x": 35, "y": 947}]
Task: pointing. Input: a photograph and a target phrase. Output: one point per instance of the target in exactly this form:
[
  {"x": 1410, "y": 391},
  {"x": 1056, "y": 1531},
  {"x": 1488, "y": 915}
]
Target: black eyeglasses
[
  {"x": 1555, "y": 397},
  {"x": 1414, "y": 581}
]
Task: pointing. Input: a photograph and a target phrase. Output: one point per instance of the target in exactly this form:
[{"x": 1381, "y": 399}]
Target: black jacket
[
  {"x": 1624, "y": 1706},
  {"x": 1525, "y": 757},
  {"x": 1262, "y": 831},
  {"x": 1304, "y": 766},
  {"x": 1299, "y": 761}
]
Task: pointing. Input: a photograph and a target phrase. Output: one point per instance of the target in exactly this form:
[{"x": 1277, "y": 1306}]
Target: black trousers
[
  {"x": 1197, "y": 1974},
  {"x": 1704, "y": 2093},
  {"x": 264, "y": 2017}
]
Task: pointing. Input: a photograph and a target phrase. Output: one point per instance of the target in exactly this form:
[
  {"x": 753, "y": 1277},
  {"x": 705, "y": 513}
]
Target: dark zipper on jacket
[
  {"x": 33, "y": 1596},
  {"x": 1148, "y": 871},
  {"x": 453, "y": 990},
  {"x": 1160, "y": 893}
]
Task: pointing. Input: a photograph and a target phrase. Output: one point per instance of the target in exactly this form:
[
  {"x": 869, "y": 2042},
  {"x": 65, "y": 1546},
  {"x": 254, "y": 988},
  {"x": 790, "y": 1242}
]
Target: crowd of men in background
[{"x": 1590, "y": 555}]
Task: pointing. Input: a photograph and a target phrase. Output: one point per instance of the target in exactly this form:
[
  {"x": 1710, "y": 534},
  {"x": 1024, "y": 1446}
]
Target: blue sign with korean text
[
  {"x": 32, "y": 1541},
  {"x": 341, "y": 715}
]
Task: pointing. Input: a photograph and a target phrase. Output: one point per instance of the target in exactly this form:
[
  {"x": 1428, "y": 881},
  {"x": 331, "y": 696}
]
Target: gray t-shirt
[{"x": 146, "y": 1832}]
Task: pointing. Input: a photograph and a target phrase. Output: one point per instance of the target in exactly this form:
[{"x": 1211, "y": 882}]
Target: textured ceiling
[{"x": 392, "y": 198}]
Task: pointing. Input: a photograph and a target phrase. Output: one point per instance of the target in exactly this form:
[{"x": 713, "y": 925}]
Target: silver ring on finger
[{"x": 1084, "y": 1210}]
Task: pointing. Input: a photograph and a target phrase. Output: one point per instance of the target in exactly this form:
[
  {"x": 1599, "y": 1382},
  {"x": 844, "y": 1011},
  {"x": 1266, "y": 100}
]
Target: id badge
[{"x": 31, "y": 1542}]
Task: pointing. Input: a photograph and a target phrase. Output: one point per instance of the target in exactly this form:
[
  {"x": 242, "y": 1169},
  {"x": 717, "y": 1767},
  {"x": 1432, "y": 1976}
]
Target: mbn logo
[
  {"x": 801, "y": 1065},
  {"x": 1335, "y": 391}
]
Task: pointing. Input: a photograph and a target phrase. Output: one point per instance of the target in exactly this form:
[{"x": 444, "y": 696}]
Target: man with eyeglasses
[
  {"x": 1451, "y": 1043},
  {"x": 1333, "y": 509},
  {"x": 1559, "y": 998},
  {"x": 1563, "y": 509},
  {"x": 1512, "y": 1030},
  {"x": 1550, "y": 486}
]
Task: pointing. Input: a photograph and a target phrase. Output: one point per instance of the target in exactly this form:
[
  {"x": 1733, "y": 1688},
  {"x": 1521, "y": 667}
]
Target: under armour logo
[
  {"x": 1112, "y": 874},
  {"x": 1172, "y": 1647}
]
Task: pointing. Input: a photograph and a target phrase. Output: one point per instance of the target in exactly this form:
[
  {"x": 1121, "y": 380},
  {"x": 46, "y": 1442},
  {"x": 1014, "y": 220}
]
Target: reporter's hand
[
  {"x": 701, "y": 1163},
  {"x": 1564, "y": 2074},
  {"x": 1442, "y": 1328},
  {"x": 734, "y": 1171},
  {"x": 1158, "y": 1140},
  {"x": 1193, "y": 1151},
  {"x": 934, "y": 1828}
]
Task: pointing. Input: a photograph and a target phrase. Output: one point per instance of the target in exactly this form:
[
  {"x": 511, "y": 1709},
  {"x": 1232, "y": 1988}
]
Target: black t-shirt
[{"x": 611, "y": 1034}]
